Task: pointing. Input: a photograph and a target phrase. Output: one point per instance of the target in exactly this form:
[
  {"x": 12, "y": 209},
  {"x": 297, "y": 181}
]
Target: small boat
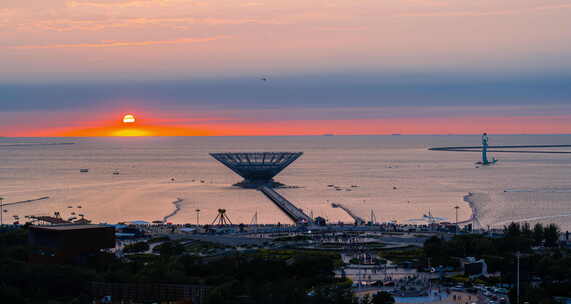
[
  {"x": 78, "y": 206},
  {"x": 116, "y": 172},
  {"x": 83, "y": 170},
  {"x": 69, "y": 206},
  {"x": 73, "y": 213}
]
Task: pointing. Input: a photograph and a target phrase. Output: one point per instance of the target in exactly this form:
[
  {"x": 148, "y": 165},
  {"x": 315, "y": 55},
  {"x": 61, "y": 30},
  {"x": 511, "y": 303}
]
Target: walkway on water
[
  {"x": 296, "y": 214},
  {"x": 358, "y": 220},
  {"x": 490, "y": 149},
  {"x": 26, "y": 201}
]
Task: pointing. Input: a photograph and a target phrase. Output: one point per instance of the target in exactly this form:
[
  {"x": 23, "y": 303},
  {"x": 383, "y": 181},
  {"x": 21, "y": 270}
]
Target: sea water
[{"x": 394, "y": 177}]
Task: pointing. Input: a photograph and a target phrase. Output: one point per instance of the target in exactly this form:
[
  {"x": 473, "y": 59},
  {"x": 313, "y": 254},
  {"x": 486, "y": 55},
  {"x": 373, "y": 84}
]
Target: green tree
[
  {"x": 515, "y": 239},
  {"x": 365, "y": 299},
  {"x": 435, "y": 249},
  {"x": 526, "y": 230},
  {"x": 552, "y": 233},
  {"x": 11, "y": 294},
  {"x": 538, "y": 234},
  {"x": 136, "y": 247},
  {"x": 170, "y": 248},
  {"x": 382, "y": 297},
  {"x": 513, "y": 230}
]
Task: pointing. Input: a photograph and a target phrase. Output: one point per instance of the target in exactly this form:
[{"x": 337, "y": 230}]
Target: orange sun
[
  {"x": 129, "y": 118},
  {"x": 128, "y": 125}
]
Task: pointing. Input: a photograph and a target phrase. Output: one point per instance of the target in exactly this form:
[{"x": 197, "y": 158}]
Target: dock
[
  {"x": 358, "y": 220},
  {"x": 296, "y": 214}
]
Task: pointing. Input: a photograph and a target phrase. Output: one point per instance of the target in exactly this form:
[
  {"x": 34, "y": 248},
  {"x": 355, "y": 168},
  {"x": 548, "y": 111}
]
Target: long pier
[
  {"x": 296, "y": 214},
  {"x": 491, "y": 149},
  {"x": 26, "y": 201},
  {"x": 358, "y": 220}
]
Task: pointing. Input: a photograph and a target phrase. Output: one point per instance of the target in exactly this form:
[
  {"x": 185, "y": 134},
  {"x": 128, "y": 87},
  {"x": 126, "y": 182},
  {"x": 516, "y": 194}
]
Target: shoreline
[
  {"x": 534, "y": 218},
  {"x": 474, "y": 216},
  {"x": 178, "y": 207}
]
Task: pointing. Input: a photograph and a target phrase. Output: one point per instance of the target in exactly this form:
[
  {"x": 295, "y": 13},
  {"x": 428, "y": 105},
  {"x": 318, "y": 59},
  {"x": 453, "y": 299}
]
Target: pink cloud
[
  {"x": 66, "y": 25},
  {"x": 486, "y": 13},
  {"x": 125, "y": 3},
  {"x": 104, "y": 44}
]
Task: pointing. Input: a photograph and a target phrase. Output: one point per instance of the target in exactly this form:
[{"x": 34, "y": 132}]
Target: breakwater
[{"x": 495, "y": 149}]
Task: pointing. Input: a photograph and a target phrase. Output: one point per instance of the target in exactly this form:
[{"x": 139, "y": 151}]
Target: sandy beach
[{"x": 501, "y": 208}]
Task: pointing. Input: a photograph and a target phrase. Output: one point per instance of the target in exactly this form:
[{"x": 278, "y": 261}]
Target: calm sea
[{"x": 397, "y": 178}]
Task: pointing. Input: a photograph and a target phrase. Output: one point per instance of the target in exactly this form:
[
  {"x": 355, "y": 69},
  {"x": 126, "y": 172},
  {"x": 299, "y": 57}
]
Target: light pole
[
  {"x": 517, "y": 291},
  {"x": 456, "y": 207},
  {"x": 1, "y": 211},
  {"x": 197, "y": 217}
]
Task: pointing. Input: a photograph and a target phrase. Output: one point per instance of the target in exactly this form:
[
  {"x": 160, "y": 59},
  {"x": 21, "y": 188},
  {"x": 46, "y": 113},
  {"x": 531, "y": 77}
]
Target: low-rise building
[{"x": 58, "y": 244}]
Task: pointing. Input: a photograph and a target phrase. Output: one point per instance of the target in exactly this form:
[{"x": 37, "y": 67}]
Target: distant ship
[
  {"x": 328, "y": 134},
  {"x": 396, "y": 134}
]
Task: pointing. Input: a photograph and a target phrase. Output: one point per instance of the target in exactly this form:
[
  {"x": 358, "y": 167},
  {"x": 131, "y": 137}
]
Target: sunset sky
[{"x": 195, "y": 67}]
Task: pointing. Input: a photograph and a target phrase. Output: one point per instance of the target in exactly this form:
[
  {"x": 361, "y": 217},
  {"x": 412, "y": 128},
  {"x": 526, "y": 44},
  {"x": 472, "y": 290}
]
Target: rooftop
[{"x": 70, "y": 227}]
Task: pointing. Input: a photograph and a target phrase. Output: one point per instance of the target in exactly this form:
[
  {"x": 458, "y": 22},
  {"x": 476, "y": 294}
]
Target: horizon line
[{"x": 300, "y": 135}]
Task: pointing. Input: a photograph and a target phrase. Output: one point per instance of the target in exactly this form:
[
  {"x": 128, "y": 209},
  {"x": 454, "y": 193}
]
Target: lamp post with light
[
  {"x": 518, "y": 255},
  {"x": 456, "y": 207},
  {"x": 1, "y": 211}
]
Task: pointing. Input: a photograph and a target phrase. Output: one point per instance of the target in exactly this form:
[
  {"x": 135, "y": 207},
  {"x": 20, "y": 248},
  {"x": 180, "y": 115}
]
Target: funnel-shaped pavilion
[{"x": 257, "y": 168}]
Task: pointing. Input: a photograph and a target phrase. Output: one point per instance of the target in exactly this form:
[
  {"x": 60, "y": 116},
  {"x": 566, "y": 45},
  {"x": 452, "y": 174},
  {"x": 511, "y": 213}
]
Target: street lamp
[
  {"x": 456, "y": 207},
  {"x": 518, "y": 254},
  {"x": 1, "y": 211}
]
